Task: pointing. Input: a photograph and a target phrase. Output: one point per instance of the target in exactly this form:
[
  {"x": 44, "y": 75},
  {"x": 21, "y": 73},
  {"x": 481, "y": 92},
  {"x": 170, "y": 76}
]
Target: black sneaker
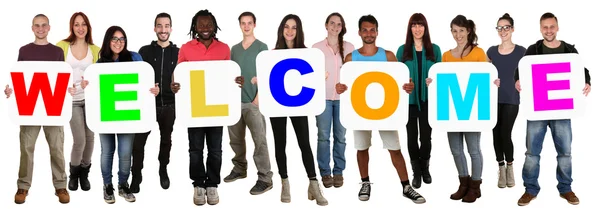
[
  {"x": 413, "y": 195},
  {"x": 234, "y": 176},
  {"x": 365, "y": 191},
  {"x": 126, "y": 193},
  {"x": 109, "y": 195},
  {"x": 261, "y": 187}
]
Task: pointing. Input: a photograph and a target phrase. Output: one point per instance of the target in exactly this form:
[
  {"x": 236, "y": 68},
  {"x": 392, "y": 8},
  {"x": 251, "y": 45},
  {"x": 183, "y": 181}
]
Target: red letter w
[{"x": 53, "y": 101}]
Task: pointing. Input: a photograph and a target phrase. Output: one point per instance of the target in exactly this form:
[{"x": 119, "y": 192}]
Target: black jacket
[
  {"x": 536, "y": 49},
  {"x": 164, "y": 61}
]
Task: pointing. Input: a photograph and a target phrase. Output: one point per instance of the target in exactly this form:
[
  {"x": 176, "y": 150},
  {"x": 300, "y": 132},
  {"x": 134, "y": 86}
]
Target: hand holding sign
[
  {"x": 175, "y": 87},
  {"x": 408, "y": 87},
  {"x": 587, "y": 89},
  {"x": 155, "y": 89},
  {"x": 72, "y": 90},
  {"x": 84, "y": 83},
  {"x": 8, "y": 91},
  {"x": 340, "y": 88}
]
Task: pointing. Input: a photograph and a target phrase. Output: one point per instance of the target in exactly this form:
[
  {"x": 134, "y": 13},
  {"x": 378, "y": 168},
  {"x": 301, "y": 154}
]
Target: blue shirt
[{"x": 379, "y": 56}]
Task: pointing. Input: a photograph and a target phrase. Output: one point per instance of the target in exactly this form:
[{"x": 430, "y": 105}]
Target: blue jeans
[
  {"x": 561, "y": 134},
  {"x": 330, "y": 116},
  {"x": 108, "y": 146},
  {"x": 473, "y": 140}
]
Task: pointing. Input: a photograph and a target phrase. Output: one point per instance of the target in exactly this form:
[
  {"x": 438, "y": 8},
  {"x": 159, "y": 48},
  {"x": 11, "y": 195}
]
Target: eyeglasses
[
  {"x": 504, "y": 27},
  {"x": 115, "y": 39}
]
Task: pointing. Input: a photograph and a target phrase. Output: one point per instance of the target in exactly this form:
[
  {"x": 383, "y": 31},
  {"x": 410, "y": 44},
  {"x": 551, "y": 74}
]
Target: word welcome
[{"x": 462, "y": 96}]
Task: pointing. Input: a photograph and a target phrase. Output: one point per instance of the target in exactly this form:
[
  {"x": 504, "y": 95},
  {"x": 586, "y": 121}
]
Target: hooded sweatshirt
[
  {"x": 164, "y": 61},
  {"x": 538, "y": 49}
]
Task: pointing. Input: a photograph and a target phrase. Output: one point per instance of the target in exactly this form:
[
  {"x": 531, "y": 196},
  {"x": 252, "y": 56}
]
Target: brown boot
[
  {"x": 474, "y": 191},
  {"x": 462, "y": 188},
  {"x": 20, "y": 196},
  {"x": 63, "y": 196}
]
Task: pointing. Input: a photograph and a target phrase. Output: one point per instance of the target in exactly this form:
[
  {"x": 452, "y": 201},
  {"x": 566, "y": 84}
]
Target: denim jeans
[
  {"x": 473, "y": 140},
  {"x": 330, "y": 116},
  {"x": 108, "y": 147},
  {"x": 561, "y": 134},
  {"x": 208, "y": 175}
]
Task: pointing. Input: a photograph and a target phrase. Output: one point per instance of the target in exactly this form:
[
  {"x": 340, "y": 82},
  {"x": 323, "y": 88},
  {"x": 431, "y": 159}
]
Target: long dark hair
[
  {"x": 417, "y": 19},
  {"x": 203, "y": 13},
  {"x": 88, "y": 36},
  {"x": 462, "y": 21},
  {"x": 106, "y": 53},
  {"x": 298, "y": 40},
  {"x": 342, "y": 32}
]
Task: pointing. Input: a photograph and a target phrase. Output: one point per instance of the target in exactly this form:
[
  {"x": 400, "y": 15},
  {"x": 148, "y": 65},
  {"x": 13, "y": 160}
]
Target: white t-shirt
[{"x": 79, "y": 67}]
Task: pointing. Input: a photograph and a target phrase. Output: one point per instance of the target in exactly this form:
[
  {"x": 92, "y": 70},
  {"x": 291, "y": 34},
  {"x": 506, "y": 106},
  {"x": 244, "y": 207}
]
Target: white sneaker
[
  {"x": 199, "y": 196},
  {"x": 212, "y": 195}
]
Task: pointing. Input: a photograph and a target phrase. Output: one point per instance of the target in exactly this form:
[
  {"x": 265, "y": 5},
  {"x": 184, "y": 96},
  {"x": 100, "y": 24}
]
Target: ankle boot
[
  {"x": 315, "y": 192},
  {"x": 425, "y": 171},
  {"x": 510, "y": 176},
  {"x": 83, "y": 177},
  {"x": 474, "y": 191},
  {"x": 136, "y": 180},
  {"x": 164, "y": 177},
  {"x": 416, "y": 167},
  {"x": 74, "y": 177},
  {"x": 285, "y": 191},
  {"x": 462, "y": 188}
]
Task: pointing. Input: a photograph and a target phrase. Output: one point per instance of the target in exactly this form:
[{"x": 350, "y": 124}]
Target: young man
[
  {"x": 205, "y": 46},
  {"x": 561, "y": 129},
  {"x": 162, "y": 55},
  {"x": 244, "y": 53},
  {"x": 41, "y": 50},
  {"x": 368, "y": 28}
]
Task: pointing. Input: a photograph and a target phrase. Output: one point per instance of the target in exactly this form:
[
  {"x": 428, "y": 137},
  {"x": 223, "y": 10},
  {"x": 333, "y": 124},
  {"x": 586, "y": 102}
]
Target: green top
[
  {"x": 246, "y": 59},
  {"x": 557, "y": 50},
  {"x": 413, "y": 66}
]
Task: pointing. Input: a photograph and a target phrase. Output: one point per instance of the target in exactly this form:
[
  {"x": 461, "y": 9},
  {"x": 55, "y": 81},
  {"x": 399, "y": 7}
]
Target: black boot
[
  {"x": 136, "y": 180},
  {"x": 83, "y": 178},
  {"x": 425, "y": 171},
  {"x": 164, "y": 177},
  {"x": 416, "y": 183},
  {"x": 74, "y": 177}
]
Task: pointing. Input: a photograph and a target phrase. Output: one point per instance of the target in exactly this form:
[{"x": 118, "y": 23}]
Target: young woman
[
  {"x": 291, "y": 36},
  {"x": 419, "y": 54},
  {"x": 506, "y": 57},
  {"x": 114, "y": 49},
  {"x": 466, "y": 50},
  {"x": 335, "y": 49},
  {"x": 80, "y": 52}
]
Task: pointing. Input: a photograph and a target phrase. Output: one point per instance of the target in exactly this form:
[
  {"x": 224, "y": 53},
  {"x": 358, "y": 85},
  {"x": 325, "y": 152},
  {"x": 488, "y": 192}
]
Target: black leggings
[
  {"x": 420, "y": 118},
  {"x": 507, "y": 114},
  {"x": 279, "y": 125}
]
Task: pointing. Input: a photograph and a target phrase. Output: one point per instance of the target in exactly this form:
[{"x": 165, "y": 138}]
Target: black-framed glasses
[
  {"x": 504, "y": 27},
  {"x": 116, "y": 39}
]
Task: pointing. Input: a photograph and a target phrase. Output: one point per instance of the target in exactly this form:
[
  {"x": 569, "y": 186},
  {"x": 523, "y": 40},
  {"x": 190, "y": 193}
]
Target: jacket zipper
[{"x": 162, "y": 61}]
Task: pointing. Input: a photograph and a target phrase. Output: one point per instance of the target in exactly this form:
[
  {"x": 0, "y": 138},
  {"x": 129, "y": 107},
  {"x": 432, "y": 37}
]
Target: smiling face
[
  {"x": 117, "y": 42},
  {"x": 418, "y": 30},
  {"x": 289, "y": 30},
  {"x": 368, "y": 32},
  {"x": 505, "y": 30},
  {"x": 205, "y": 28},
  {"x": 460, "y": 34},
  {"x": 247, "y": 25},
  {"x": 549, "y": 28},
  {"x": 334, "y": 25},
  {"x": 163, "y": 28},
  {"x": 40, "y": 27},
  {"x": 80, "y": 27}
]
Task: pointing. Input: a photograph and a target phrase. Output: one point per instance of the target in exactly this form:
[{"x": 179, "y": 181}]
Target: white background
[{"x": 386, "y": 193}]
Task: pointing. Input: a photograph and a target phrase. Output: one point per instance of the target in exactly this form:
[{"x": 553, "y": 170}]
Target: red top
[{"x": 196, "y": 51}]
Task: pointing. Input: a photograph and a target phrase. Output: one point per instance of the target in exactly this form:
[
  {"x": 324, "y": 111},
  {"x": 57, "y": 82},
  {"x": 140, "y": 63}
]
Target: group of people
[{"x": 418, "y": 52}]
